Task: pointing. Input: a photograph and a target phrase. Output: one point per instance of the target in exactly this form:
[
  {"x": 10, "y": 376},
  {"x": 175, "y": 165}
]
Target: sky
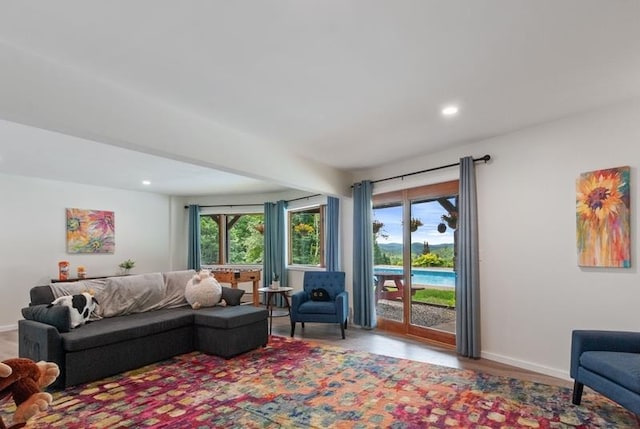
[{"x": 428, "y": 212}]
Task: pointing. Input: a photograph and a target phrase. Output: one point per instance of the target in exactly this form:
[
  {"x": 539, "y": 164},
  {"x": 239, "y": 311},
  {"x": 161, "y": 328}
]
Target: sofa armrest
[
  {"x": 611, "y": 341},
  {"x": 297, "y": 299},
  {"x": 342, "y": 302},
  {"x": 39, "y": 341}
]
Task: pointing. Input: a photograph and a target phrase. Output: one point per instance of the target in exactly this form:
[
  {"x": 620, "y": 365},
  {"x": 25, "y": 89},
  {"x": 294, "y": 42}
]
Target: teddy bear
[
  {"x": 23, "y": 379},
  {"x": 203, "y": 290}
]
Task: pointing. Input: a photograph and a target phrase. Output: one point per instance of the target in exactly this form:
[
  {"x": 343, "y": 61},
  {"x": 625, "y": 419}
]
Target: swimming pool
[{"x": 423, "y": 276}]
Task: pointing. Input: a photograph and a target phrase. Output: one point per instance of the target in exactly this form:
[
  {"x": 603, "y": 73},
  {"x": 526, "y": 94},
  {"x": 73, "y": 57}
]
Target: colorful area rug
[{"x": 297, "y": 384}]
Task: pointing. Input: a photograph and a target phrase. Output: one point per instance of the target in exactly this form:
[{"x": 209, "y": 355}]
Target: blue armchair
[
  {"x": 336, "y": 310},
  {"x": 609, "y": 363}
]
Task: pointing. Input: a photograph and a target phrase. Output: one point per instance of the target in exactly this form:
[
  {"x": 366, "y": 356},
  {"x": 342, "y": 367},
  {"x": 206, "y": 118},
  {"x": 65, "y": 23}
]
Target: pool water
[{"x": 424, "y": 276}]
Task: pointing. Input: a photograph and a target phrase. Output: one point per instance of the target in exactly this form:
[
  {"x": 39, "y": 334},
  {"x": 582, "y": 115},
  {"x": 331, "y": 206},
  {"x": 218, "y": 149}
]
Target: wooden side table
[{"x": 271, "y": 292}]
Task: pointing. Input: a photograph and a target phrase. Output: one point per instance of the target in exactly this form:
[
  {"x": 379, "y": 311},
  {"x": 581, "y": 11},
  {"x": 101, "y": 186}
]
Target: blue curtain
[
  {"x": 467, "y": 261},
  {"x": 332, "y": 245},
  {"x": 193, "y": 260},
  {"x": 364, "y": 307},
  {"x": 274, "y": 245}
]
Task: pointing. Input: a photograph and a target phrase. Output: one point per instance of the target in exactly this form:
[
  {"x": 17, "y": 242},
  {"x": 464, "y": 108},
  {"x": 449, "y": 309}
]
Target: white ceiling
[
  {"x": 352, "y": 84},
  {"x": 33, "y": 152}
]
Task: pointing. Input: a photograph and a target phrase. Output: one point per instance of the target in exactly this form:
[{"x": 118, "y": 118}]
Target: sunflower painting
[
  {"x": 90, "y": 231},
  {"x": 602, "y": 217}
]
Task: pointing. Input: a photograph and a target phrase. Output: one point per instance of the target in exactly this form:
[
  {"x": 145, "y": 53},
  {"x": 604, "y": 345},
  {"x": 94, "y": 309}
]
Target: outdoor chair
[
  {"x": 335, "y": 310},
  {"x": 609, "y": 363}
]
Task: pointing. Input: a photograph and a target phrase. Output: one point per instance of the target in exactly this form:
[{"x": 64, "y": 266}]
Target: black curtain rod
[
  {"x": 485, "y": 158},
  {"x": 253, "y": 205},
  {"x": 304, "y": 198},
  {"x": 402, "y": 176}
]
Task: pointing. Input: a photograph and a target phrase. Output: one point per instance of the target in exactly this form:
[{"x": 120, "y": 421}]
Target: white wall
[
  {"x": 33, "y": 237},
  {"x": 533, "y": 294}
]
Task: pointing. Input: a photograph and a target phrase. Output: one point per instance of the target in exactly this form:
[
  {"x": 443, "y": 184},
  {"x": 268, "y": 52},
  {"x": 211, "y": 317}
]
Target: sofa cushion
[
  {"x": 232, "y": 296},
  {"x": 318, "y": 307},
  {"x": 122, "y": 328},
  {"x": 229, "y": 317},
  {"x": 57, "y": 316},
  {"x": 621, "y": 368},
  {"x": 41, "y": 295}
]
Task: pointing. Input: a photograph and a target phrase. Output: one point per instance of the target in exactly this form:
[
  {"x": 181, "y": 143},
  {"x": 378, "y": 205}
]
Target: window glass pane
[
  {"x": 246, "y": 242},
  {"x": 433, "y": 222},
  {"x": 388, "y": 260},
  {"x": 305, "y": 236},
  {"x": 209, "y": 239}
]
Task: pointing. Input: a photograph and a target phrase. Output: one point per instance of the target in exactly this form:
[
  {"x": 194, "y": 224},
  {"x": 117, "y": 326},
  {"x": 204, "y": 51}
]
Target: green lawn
[{"x": 436, "y": 296}]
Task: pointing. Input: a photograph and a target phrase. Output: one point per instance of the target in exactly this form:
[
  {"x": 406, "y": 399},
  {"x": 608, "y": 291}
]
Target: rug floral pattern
[{"x": 297, "y": 384}]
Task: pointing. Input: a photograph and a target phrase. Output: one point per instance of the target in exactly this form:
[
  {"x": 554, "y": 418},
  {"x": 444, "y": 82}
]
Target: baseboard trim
[
  {"x": 553, "y": 372},
  {"x": 6, "y": 328}
]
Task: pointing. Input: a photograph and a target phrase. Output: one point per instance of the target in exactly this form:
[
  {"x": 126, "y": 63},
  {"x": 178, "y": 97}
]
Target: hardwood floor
[
  {"x": 384, "y": 343},
  {"x": 369, "y": 341},
  {"x": 8, "y": 344}
]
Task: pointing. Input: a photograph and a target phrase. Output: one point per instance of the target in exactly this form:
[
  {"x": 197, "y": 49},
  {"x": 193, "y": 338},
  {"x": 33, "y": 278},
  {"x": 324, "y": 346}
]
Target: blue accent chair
[
  {"x": 609, "y": 363},
  {"x": 336, "y": 310}
]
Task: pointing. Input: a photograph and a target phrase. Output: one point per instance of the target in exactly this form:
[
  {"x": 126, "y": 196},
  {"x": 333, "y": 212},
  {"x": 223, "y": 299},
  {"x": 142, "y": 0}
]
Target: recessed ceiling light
[
  {"x": 146, "y": 182},
  {"x": 450, "y": 110}
]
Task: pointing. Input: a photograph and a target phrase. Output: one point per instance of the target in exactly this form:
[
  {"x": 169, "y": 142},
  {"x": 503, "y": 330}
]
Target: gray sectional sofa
[{"x": 141, "y": 319}]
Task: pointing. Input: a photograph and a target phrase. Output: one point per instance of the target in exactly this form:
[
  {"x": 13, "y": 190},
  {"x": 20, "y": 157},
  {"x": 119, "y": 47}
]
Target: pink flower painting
[{"x": 90, "y": 231}]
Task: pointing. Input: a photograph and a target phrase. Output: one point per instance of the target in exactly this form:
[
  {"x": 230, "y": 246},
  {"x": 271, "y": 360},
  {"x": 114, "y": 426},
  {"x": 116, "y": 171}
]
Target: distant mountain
[
  {"x": 391, "y": 247},
  {"x": 416, "y": 248}
]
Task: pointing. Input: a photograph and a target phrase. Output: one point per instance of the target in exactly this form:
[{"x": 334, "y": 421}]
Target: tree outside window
[
  {"x": 232, "y": 238},
  {"x": 246, "y": 243},
  {"x": 306, "y": 236},
  {"x": 210, "y": 239}
]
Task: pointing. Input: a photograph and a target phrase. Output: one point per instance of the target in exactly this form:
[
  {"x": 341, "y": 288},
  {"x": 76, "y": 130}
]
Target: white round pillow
[{"x": 203, "y": 291}]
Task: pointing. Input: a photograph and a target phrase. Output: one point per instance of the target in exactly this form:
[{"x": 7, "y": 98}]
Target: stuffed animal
[
  {"x": 23, "y": 379},
  {"x": 80, "y": 307},
  {"x": 203, "y": 290}
]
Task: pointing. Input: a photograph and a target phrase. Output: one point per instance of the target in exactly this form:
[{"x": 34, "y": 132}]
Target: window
[
  {"x": 306, "y": 236},
  {"x": 231, "y": 238}
]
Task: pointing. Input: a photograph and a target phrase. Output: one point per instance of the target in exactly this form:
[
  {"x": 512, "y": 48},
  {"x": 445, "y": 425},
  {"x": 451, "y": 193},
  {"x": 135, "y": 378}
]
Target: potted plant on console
[{"x": 126, "y": 266}]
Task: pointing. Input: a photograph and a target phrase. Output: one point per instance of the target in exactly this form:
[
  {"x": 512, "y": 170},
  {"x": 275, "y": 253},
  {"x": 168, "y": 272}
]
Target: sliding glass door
[
  {"x": 414, "y": 257},
  {"x": 388, "y": 260}
]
